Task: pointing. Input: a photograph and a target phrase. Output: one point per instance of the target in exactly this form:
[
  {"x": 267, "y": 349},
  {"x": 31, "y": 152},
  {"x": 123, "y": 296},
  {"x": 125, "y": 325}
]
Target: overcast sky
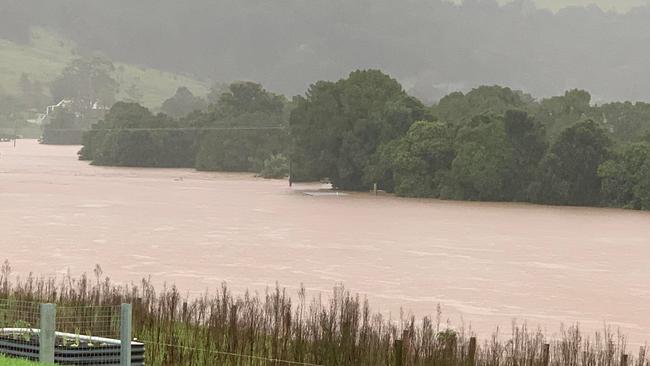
[
  {"x": 431, "y": 46},
  {"x": 618, "y": 5}
]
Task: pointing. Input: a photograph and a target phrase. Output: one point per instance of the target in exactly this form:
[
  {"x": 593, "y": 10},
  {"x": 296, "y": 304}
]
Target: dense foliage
[
  {"x": 130, "y": 135},
  {"x": 490, "y": 144},
  {"x": 337, "y": 127},
  {"x": 239, "y": 133},
  {"x": 626, "y": 177},
  {"x": 182, "y": 104}
]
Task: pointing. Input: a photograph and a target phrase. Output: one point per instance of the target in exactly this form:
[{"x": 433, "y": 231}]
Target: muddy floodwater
[{"x": 485, "y": 263}]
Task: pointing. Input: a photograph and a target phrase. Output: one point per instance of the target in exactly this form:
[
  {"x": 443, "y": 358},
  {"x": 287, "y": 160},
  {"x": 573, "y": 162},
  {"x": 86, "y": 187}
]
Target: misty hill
[
  {"x": 431, "y": 46},
  {"x": 555, "y": 5},
  {"x": 46, "y": 54}
]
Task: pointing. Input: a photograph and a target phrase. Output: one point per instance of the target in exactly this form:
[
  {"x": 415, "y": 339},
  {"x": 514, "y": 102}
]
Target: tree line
[
  {"x": 489, "y": 144},
  {"x": 243, "y": 131}
]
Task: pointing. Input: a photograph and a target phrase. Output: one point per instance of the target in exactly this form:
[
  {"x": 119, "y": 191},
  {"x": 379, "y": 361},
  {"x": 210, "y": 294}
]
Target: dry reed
[{"x": 278, "y": 329}]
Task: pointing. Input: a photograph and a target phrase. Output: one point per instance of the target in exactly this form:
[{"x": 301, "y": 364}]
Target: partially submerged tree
[{"x": 337, "y": 127}]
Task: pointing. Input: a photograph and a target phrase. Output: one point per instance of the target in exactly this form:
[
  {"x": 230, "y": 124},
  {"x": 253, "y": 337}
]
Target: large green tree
[
  {"x": 421, "y": 159},
  {"x": 626, "y": 178},
  {"x": 130, "y": 135},
  {"x": 183, "y": 103},
  {"x": 125, "y": 115},
  {"x": 337, "y": 127},
  {"x": 527, "y": 138},
  {"x": 627, "y": 121},
  {"x": 87, "y": 81},
  {"x": 569, "y": 171},
  {"x": 242, "y": 130},
  {"x": 560, "y": 112},
  {"x": 482, "y": 168},
  {"x": 458, "y": 108},
  {"x": 247, "y": 97},
  {"x": 490, "y": 158}
]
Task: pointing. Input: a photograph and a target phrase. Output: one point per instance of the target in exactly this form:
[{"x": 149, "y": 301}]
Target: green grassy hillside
[{"x": 47, "y": 54}]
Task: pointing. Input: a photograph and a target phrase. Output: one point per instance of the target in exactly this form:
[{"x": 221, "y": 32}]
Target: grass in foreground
[
  {"x": 4, "y": 361},
  {"x": 252, "y": 330}
]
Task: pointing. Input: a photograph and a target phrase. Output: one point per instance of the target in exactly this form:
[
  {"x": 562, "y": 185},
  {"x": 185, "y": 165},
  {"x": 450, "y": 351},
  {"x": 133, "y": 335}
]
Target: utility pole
[
  {"x": 291, "y": 149},
  {"x": 290, "y": 174},
  {"x": 15, "y": 132}
]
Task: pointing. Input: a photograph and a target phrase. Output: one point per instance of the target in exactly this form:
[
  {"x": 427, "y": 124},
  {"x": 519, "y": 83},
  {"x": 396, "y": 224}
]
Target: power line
[
  {"x": 173, "y": 129},
  {"x": 260, "y": 358}
]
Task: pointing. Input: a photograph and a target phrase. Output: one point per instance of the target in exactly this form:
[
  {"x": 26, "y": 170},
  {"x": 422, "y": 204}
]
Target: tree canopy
[
  {"x": 242, "y": 131},
  {"x": 87, "y": 81},
  {"x": 569, "y": 171},
  {"x": 336, "y": 128},
  {"x": 182, "y": 103},
  {"x": 490, "y": 144}
]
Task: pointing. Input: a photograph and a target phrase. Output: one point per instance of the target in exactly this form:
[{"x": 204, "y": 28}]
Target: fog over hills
[
  {"x": 555, "y": 5},
  {"x": 431, "y": 46}
]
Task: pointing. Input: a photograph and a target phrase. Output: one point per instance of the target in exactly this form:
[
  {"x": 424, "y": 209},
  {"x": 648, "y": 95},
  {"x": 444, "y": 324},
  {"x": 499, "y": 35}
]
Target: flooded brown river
[{"x": 487, "y": 263}]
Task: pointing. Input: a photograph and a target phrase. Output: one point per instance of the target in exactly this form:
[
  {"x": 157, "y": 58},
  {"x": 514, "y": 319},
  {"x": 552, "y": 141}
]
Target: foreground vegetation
[
  {"x": 15, "y": 362},
  {"x": 253, "y": 329}
]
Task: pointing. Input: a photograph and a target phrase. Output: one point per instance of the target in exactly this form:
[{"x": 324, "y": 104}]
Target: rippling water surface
[{"x": 485, "y": 263}]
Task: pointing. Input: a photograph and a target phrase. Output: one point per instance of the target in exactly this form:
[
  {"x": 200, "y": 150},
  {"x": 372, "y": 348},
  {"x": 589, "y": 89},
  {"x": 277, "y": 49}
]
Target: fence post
[
  {"x": 125, "y": 335},
  {"x": 472, "y": 351},
  {"x": 47, "y": 333},
  {"x": 546, "y": 356},
  {"x": 290, "y": 172}
]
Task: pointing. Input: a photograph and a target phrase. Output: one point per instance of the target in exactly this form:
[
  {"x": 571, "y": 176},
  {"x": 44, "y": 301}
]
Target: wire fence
[
  {"x": 83, "y": 335},
  {"x": 230, "y": 358},
  {"x": 19, "y": 324},
  {"x": 19, "y": 314},
  {"x": 251, "y": 128},
  {"x": 87, "y": 335},
  {"x": 91, "y": 321}
]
